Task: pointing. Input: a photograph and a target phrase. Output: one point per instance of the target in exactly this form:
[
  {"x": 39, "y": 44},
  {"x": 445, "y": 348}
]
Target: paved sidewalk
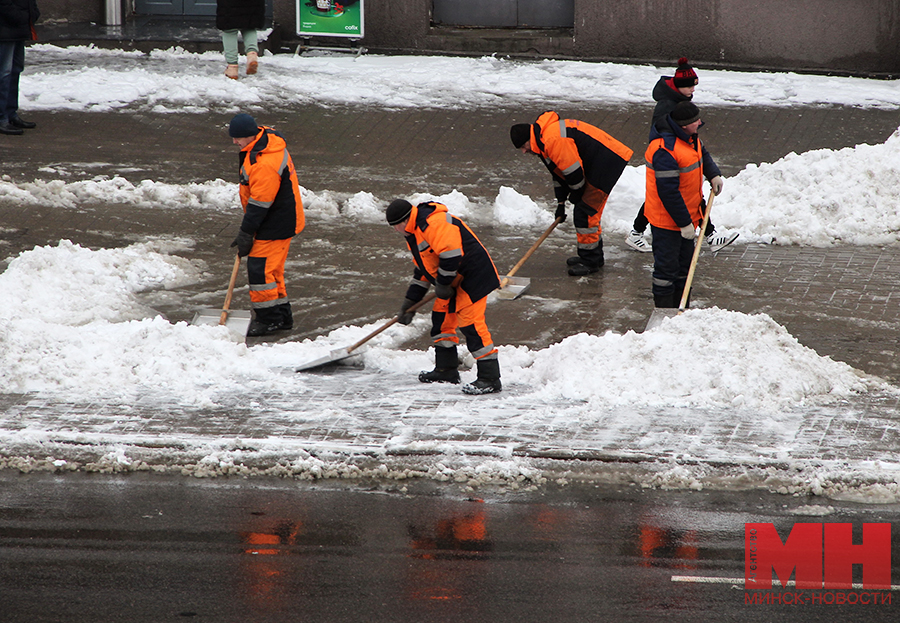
[{"x": 841, "y": 301}]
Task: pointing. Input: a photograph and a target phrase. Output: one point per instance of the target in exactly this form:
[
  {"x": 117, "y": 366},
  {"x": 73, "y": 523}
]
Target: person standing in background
[
  {"x": 668, "y": 92},
  {"x": 17, "y": 18},
  {"x": 246, "y": 17}
]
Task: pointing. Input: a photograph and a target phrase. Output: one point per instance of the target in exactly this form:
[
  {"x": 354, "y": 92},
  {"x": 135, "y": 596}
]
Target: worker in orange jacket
[
  {"x": 449, "y": 256},
  {"x": 273, "y": 214},
  {"x": 585, "y": 163},
  {"x": 677, "y": 164}
]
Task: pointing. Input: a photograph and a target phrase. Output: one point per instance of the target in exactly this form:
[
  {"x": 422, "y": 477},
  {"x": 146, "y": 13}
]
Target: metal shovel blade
[
  {"x": 513, "y": 287},
  {"x": 659, "y": 314},
  {"x": 336, "y": 355},
  {"x": 238, "y": 320}
]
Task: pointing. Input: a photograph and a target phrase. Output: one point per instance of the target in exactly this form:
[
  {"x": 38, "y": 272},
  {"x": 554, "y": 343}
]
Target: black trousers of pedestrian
[{"x": 641, "y": 222}]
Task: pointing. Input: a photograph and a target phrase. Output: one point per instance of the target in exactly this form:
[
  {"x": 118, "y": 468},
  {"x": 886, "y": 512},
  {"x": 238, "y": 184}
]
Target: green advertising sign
[{"x": 330, "y": 18}]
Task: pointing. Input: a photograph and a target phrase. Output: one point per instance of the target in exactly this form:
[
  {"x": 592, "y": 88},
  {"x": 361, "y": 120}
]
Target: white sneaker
[
  {"x": 636, "y": 241},
  {"x": 717, "y": 242}
]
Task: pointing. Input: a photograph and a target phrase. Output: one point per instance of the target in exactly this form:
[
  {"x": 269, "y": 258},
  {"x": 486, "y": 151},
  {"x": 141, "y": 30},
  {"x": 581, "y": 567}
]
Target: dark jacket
[
  {"x": 17, "y": 18},
  {"x": 445, "y": 251},
  {"x": 269, "y": 191},
  {"x": 240, "y": 14},
  {"x": 667, "y": 97}
]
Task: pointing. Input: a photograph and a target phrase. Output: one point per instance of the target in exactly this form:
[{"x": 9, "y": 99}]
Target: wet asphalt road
[
  {"x": 91, "y": 548},
  {"x": 144, "y": 548}
]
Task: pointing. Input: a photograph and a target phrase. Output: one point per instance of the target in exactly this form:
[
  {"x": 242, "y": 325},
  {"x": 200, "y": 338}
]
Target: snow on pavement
[
  {"x": 95, "y": 80},
  {"x": 142, "y": 393},
  {"x": 795, "y": 200},
  {"x": 93, "y": 380}
]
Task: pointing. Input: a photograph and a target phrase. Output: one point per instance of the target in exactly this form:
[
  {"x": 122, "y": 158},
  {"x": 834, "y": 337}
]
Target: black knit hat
[
  {"x": 520, "y": 134},
  {"x": 685, "y": 76},
  {"x": 685, "y": 113},
  {"x": 242, "y": 126},
  {"x": 398, "y": 211}
]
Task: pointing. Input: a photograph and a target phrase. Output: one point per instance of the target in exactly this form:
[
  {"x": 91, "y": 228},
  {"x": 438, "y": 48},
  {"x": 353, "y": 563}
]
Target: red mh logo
[{"x": 822, "y": 555}]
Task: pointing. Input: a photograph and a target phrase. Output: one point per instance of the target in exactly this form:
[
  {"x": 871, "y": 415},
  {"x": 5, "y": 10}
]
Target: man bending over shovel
[
  {"x": 585, "y": 163},
  {"x": 450, "y": 257},
  {"x": 273, "y": 214}
]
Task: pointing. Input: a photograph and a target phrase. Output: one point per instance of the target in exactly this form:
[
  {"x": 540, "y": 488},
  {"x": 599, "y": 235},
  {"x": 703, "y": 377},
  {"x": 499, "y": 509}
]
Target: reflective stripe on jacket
[
  {"x": 676, "y": 165},
  {"x": 444, "y": 248},
  {"x": 270, "y": 192},
  {"x": 576, "y": 152}
]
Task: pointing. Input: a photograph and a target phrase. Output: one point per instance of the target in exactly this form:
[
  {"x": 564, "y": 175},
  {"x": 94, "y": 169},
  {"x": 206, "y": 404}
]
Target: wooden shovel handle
[
  {"x": 391, "y": 322},
  {"x": 693, "y": 268},
  {"x": 530, "y": 251},
  {"x": 227, "y": 304}
]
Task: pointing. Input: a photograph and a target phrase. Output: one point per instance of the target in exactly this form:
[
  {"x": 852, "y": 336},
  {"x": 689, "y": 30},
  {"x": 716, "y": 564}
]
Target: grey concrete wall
[
  {"x": 848, "y": 35},
  {"x": 853, "y": 36},
  {"x": 72, "y": 10}
]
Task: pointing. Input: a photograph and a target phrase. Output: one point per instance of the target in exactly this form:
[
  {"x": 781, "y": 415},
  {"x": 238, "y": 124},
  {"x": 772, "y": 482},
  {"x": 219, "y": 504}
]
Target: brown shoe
[
  {"x": 231, "y": 71},
  {"x": 252, "y": 63}
]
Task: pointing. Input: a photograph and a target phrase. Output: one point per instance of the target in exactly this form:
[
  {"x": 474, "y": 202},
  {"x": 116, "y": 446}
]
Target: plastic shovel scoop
[
  {"x": 513, "y": 287},
  {"x": 342, "y": 353},
  {"x": 237, "y": 321}
]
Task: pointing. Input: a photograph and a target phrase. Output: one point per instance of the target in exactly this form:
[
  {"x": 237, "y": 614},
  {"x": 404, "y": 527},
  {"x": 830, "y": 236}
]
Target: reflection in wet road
[{"x": 149, "y": 548}]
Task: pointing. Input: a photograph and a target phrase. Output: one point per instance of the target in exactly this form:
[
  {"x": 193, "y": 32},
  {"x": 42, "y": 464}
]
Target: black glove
[
  {"x": 444, "y": 291},
  {"x": 561, "y": 211},
  {"x": 406, "y": 317},
  {"x": 244, "y": 242}
]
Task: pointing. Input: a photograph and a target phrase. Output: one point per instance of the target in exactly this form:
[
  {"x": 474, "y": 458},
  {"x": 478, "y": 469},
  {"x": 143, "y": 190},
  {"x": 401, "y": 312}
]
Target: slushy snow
[{"x": 761, "y": 409}]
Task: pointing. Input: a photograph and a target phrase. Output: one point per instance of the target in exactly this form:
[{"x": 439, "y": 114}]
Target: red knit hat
[{"x": 685, "y": 76}]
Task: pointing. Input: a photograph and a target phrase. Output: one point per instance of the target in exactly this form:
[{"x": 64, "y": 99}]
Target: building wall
[
  {"x": 856, "y": 36},
  {"x": 853, "y": 36},
  {"x": 75, "y": 11},
  {"x": 848, "y": 35}
]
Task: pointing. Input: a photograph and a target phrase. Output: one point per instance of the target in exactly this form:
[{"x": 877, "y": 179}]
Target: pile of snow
[
  {"x": 818, "y": 198},
  {"x": 76, "y": 334},
  {"x": 75, "y": 325},
  {"x": 87, "y": 79}
]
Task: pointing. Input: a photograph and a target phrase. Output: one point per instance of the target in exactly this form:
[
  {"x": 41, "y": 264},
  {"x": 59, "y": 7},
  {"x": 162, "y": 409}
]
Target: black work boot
[
  {"x": 286, "y": 316},
  {"x": 581, "y": 269},
  {"x": 587, "y": 262},
  {"x": 664, "y": 301},
  {"x": 488, "y": 381},
  {"x": 269, "y": 320},
  {"x": 678, "y": 294},
  {"x": 446, "y": 364}
]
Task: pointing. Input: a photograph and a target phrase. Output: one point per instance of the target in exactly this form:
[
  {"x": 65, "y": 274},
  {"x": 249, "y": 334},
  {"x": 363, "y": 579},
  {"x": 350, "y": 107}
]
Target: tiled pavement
[{"x": 842, "y": 301}]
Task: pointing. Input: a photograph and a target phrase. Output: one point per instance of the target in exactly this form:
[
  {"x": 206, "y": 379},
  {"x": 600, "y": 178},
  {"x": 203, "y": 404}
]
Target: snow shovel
[
  {"x": 513, "y": 287},
  {"x": 342, "y": 353},
  {"x": 237, "y": 321},
  {"x": 660, "y": 313}
]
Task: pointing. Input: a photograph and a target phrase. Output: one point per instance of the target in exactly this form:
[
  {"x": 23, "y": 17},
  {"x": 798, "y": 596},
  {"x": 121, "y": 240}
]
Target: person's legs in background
[
  {"x": 251, "y": 49},
  {"x": 230, "y": 47}
]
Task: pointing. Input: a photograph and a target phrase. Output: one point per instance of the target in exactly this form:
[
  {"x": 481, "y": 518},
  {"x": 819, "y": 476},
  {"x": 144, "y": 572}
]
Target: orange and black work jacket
[
  {"x": 676, "y": 165},
  {"x": 576, "y": 153},
  {"x": 445, "y": 251},
  {"x": 270, "y": 193}
]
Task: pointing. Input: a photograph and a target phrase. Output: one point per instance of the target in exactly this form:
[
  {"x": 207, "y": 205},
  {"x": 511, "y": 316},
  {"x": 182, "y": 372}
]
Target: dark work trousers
[{"x": 672, "y": 256}]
